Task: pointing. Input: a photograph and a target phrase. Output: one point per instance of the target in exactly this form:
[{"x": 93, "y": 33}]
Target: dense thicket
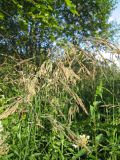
[{"x": 66, "y": 109}]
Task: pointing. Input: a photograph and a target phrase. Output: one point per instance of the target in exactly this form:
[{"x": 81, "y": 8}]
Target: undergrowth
[{"x": 68, "y": 108}]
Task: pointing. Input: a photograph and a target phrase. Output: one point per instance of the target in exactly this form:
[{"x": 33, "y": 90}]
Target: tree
[
  {"x": 31, "y": 25},
  {"x": 92, "y": 20}
]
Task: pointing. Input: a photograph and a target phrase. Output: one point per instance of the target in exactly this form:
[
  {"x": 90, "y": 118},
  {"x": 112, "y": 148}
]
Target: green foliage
[
  {"x": 68, "y": 109},
  {"x": 29, "y": 26},
  {"x": 44, "y": 127},
  {"x": 71, "y": 6}
]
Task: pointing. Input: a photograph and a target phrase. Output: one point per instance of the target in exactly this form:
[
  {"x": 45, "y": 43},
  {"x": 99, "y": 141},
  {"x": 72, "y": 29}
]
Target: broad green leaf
[
  {"x": 69, "y": 3},
  {"x": 99, "y": 138},
  {"x": 79, "y": 154},
  {"x": 1, "y": 16},
  {"x": 99, "y": 90},
  {"x": 71, "y": 6}
]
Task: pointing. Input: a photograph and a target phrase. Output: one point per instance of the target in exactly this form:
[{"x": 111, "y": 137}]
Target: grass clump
[{"x": 68, "y": 108}]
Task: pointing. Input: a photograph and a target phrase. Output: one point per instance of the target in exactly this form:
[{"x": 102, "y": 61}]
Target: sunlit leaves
[
  {"x": 71, "y": 6},
  {"x": 1, "y": 16}
]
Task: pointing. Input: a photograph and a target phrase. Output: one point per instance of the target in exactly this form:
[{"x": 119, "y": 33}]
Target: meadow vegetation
[
  {"x": 66, "y": 108},
  {"x": 59, "y": 95}
]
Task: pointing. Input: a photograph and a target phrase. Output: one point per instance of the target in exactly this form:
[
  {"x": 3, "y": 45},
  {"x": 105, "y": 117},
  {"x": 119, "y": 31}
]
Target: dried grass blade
[
  {"x": 75, "y": 97},
  {"x": 11, "y": 110}
]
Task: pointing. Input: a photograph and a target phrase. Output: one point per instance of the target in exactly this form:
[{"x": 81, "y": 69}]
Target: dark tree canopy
[{"x": 27, "y": 26}]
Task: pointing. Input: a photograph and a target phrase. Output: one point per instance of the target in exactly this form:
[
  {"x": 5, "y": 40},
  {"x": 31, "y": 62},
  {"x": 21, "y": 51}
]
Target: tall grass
[{"x": 68, "y": 108}]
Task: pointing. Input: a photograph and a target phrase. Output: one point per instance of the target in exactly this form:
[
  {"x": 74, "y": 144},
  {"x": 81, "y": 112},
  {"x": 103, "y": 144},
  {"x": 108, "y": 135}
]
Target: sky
[{"x": 115, "y": 16}]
